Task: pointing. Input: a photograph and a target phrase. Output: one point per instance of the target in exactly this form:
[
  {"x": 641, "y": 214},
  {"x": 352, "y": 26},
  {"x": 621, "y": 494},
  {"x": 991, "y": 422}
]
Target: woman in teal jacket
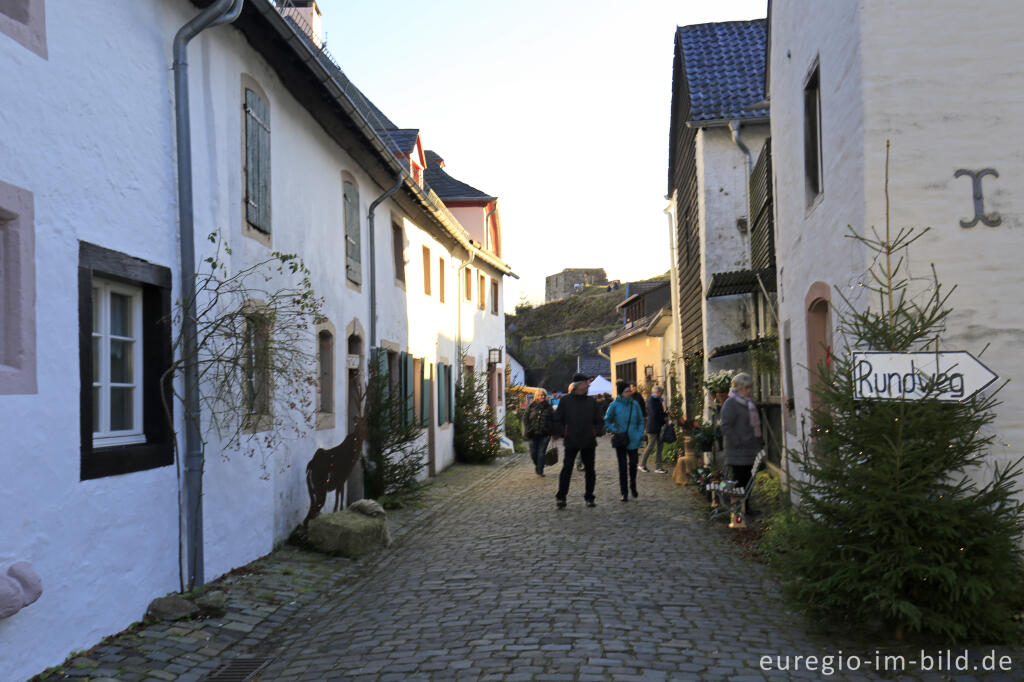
[{"x": 625, "y": 416}]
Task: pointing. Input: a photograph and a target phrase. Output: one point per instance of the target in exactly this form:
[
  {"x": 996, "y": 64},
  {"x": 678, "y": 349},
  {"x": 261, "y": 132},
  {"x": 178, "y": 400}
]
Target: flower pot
[{"x": 720, "y": 397}]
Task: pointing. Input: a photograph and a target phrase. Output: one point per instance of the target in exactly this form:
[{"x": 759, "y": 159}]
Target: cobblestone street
[{"x": 487, "y": 580}]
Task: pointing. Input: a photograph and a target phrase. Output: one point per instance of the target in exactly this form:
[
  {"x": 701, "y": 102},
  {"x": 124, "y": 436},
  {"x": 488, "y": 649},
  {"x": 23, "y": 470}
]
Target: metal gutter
[
  {"x": 724, "y": 122},
  {"x": 220, "y": 12}
]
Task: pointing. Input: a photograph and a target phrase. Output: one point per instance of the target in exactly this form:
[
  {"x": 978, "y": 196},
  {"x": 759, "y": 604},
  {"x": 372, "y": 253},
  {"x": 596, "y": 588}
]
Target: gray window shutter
[
  {"x": 257, "y": 162},
  {"x": 353, "y": 267}
]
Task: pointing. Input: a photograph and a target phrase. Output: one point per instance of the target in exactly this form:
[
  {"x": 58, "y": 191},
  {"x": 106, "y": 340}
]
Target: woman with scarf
[
  {"x": 741, "y": 427},
  {"x": 625, "y": 421}
]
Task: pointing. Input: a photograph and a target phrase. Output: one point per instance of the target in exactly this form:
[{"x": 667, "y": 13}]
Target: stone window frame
[
  {"x": 254, "y": 309},
  {"x": 327, "y": 420},
  {"x": 30, "y": 29},
  {"x": 17, "y": 291},
  {"x": 155, "y": 280}
]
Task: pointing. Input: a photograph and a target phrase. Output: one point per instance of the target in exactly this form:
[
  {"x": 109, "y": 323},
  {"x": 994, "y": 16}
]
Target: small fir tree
[
  {"x": 395, "y": 455},
  {"x": 891, "y": 529},
  {"x": 477, "y": 437}
]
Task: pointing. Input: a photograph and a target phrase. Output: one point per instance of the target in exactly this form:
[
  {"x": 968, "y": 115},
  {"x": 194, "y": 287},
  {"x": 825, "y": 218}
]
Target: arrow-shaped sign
[{"x": 950, "y": 376}]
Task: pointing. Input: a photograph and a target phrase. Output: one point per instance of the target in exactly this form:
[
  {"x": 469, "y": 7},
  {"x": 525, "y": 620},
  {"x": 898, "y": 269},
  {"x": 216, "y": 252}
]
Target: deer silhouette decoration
[{"x": 331, "y": 467}]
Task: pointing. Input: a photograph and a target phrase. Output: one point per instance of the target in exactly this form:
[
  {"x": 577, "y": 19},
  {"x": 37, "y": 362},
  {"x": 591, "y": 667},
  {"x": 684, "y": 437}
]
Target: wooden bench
[{"x": 733, "y": 499}]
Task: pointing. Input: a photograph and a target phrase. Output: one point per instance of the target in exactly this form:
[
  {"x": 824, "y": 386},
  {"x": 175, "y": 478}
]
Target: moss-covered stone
[{"x": 347, "y": 533}]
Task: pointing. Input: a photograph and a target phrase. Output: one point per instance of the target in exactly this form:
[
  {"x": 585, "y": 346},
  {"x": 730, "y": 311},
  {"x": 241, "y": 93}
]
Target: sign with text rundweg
[{"x": 948, "y": 376}]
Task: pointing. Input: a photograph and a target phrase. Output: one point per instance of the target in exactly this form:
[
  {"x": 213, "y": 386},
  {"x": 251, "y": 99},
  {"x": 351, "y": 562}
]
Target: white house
[
  {"x": 286, "y": 156},
  {"x": 943, "y": 86},
  {"x": 718, "y": 127}
]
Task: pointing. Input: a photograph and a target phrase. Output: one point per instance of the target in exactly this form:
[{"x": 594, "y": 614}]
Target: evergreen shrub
[{"x": 892, "y": 529}]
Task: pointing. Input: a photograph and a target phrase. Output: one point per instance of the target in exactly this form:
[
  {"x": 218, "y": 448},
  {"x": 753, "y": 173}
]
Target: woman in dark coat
[
  {"x": 741, "y": 427},
  {"x": 655, "y": 423},
  {"x": 539, "y": 425}
]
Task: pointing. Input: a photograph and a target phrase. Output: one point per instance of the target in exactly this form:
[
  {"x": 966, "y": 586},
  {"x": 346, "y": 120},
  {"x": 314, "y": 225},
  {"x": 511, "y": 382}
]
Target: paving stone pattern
[{"x": 487, "y": 580}]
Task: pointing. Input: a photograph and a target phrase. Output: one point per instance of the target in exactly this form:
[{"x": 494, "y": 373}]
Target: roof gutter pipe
[
  {"x": 373, "y": 257},
  {"x": 734, "y": 129},
  {"x": 220, "y": 12}
]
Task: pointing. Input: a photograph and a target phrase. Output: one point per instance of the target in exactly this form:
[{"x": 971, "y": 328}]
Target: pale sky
[{"x": 558, "y": 108}]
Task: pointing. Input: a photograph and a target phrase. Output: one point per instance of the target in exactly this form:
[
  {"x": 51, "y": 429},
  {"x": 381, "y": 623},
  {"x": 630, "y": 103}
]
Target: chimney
[{"x": 306, "y": 14}]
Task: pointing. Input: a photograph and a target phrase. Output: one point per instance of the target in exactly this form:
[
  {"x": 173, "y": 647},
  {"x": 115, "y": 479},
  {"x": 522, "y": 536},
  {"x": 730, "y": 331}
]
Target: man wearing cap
[{"x": 578, "y": 421}]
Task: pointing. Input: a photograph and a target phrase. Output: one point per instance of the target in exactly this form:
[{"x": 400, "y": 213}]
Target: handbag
[
  {"x": 668, "y": 434},
  {"x": 551, "y": 457},
  {"x": 620, "y": 441}
]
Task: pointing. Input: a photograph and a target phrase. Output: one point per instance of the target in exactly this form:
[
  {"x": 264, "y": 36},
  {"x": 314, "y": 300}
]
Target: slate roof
[
  {"x": 725, "y": 65},
  {"x": 399, "y": 140},
  {"x": 593, "y": 365},
  {"x": 447, "y": 187},
  {"x": 374, "y": 116}
]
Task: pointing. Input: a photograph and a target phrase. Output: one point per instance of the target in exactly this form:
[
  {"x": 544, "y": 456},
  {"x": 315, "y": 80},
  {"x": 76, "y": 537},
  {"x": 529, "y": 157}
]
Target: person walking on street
[
  {"x": 639, "y": 398},
  {"x": 741, "y": 427},
  {"x": 539, "y": 424},
  {"x": 578, "y": 421},
  {"x": 626, "y": 424},
  {"x": 655, "y": 423}
]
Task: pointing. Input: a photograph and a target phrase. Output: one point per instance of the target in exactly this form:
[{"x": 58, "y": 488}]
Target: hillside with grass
[{"x": 547, "y": 338}]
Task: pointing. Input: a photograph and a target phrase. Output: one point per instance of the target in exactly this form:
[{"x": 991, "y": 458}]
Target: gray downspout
[
  {"x": 373, "y": 259},
  {"x": 220, "y": 12}
]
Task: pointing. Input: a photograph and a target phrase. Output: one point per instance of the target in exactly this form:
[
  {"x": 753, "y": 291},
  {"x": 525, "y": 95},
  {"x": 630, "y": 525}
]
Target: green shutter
[
  {"x": 380, "y": 362},
  {"x": 409, "y": 388},
  {"x": 353, "y": 246},
  {"x": 257, "y": 162},
  {"x": 425, "y": 391},
  {"x": 442, "y": 407},
  {"x": 448, "y": 389}
]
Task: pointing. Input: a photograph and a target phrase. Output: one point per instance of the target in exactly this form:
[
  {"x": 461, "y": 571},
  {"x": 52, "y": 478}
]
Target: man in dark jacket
[
  {"x": 578, "y": 421},
  {"x": 655, "y": 423}
]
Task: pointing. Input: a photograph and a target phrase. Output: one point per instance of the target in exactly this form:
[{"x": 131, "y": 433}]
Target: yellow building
[{"x": 640, "y": 352}]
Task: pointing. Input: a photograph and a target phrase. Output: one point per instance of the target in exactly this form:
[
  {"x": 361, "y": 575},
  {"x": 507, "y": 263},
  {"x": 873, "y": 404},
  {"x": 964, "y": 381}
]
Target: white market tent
[{"x": 599, "y": 385}]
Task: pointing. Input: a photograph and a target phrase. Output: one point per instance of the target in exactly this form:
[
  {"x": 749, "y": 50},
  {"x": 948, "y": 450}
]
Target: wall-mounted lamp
[{"x": 494, "y": 356}]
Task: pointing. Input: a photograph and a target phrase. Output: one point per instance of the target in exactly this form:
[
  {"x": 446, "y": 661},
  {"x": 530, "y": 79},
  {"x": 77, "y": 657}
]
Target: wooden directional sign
[{"x": 950, "y": 377}]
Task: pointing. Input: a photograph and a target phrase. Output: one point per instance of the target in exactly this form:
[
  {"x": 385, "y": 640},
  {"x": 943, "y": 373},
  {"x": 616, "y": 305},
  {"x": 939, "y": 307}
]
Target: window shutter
[
  {"x": 257, "y": 162},
  {"x": 425, "y": 392},
  {"x": 380, "y": 360},
  {"x": 353, "y": 265},
  {"x": 448, "y": 389},
  {"x": 410, "y": 389},
  {"x": 442, "y": 407}
]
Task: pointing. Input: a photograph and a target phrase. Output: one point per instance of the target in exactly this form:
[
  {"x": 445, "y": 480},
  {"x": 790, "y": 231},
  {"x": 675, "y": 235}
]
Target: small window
[
  {"x": 353, "y": 240},
  {"x": 494, "y": 296},
  {"x": 398, "y": 248},
  {"x": 325, "y": 360},
  {"x": 257, "y": 366},
  {"x": 812, "y": 135},
  {"x": 469, "y": 284},
  {"x": 117, "y": 353},
  {"x": 440, "y": 278},
  {"x": 482, "y": 303},
  {"x": 17, "y": 291},
  {"x": 626, "y": 371},
  {"x": 124, "y": 350},
  {"x": 257, "y": 162},
  {"x": 426, "y": 271}
]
